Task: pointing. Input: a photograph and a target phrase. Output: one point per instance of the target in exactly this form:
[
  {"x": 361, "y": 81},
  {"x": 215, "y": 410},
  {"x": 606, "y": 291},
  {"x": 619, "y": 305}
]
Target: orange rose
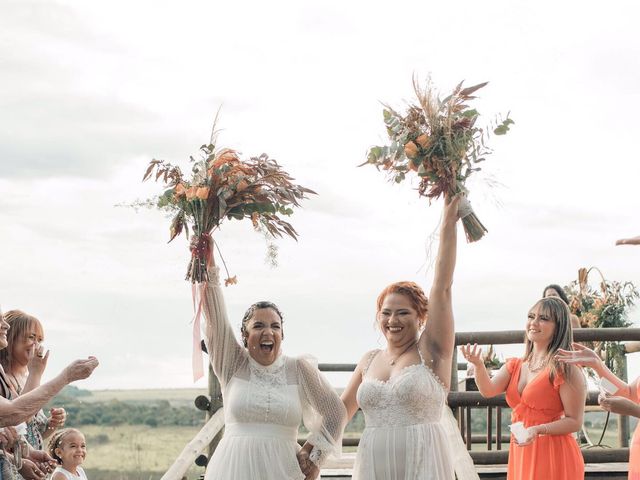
[
  {"x": 191, "y": 193},
  {"x": 411, "y": 150},
  {"x": 179, "y": 190},
  {"x": 242, "y": 185},
  {"x": 423, "y": 140},
  {"x": 225, "y": 156},
  {"x": 202, "y": 193}
]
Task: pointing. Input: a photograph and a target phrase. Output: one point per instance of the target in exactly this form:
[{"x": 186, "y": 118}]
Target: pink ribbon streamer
[
  {"x": 197, "y": 295},
  {"x": 204, "y": 245}
]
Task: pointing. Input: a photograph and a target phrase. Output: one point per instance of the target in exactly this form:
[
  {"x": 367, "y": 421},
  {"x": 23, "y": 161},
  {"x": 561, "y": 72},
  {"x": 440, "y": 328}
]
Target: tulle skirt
[
  {"x": 413, "y": 452},
  {"x": 256, "y": 451}
]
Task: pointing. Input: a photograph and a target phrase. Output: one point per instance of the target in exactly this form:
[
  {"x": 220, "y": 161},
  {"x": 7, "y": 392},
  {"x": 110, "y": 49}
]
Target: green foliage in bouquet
[{"x": 439, "y": 141}]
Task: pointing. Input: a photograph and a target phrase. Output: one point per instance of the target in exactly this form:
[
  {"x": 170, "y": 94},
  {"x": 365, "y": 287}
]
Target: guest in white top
[{"x": 69, "y": 448}]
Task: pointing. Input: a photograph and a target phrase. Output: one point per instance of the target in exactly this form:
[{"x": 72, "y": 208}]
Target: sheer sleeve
[
  {"x": 225, "y": 353},
  {"x": 324, "y": 414}
]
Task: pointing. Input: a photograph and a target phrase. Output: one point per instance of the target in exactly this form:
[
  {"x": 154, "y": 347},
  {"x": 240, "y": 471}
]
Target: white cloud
[{"x": 92, "y": 92}]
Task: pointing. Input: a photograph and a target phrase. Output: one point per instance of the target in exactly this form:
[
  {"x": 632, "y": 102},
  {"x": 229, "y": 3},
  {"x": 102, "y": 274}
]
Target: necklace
[
  {"x": 533, "y": 368},
  {"x": 393, "y": 361},
  {"x": 16, "y": 384}
]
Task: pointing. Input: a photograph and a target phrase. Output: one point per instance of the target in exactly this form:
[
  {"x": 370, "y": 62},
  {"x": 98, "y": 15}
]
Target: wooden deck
[{"x": 341, "y": 470}]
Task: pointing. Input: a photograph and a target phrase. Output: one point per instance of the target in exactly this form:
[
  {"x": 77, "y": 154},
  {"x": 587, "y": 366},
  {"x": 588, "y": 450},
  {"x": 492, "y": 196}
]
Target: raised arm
[
  {"x": 437, "y": 340},
  {"x": 629, "y": 241},
  {"x": 13, "y": 412},
  {"x": 225, "y": 353}
]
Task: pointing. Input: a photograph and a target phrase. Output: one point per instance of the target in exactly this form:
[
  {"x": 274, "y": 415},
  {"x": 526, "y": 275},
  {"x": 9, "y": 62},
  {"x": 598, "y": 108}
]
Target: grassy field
[
  {"x": 175, "y": 396},
  {"x": 136, "y": 452}
]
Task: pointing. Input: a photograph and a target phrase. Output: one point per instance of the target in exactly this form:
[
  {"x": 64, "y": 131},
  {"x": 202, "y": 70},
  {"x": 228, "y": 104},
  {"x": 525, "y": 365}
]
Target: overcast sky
[{"x": 91, "y": 91}]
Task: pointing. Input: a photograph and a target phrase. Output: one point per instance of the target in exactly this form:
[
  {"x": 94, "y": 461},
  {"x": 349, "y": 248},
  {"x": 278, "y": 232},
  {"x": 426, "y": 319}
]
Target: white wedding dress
[
  {"x": 410, "y": 433},
  {"x": 264, "y": 406}
]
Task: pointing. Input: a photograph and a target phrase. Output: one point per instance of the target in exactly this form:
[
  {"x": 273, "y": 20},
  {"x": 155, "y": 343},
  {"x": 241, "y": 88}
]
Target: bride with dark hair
[{"x": 266, "y": 397}]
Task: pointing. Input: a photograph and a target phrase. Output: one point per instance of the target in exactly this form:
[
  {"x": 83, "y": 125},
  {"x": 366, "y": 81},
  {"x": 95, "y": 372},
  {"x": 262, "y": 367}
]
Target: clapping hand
[
  {"x": 620, "y": 405},
  {"x": 473, "y": 354},
  {"x": 580, "y": 356},
  {"x": 80, "y": 369},
  {"x": 57, "y": 418}
]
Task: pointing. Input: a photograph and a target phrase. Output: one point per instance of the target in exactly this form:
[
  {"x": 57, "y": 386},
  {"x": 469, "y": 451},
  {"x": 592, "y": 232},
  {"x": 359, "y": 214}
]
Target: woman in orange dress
[
  {"x": 544, "y": 394},
  {"x": 623, "y": 398}
]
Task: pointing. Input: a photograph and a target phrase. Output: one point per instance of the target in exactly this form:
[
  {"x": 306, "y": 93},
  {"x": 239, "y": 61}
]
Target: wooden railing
[{"x": 462, "y": 402}]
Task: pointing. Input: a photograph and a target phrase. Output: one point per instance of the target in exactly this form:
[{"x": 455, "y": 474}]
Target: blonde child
[{"x": 69, "y": 449}]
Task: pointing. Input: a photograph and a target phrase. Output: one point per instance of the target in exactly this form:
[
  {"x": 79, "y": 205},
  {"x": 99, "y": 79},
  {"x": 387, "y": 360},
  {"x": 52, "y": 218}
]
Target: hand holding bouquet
[{"x": 439, "y": 141}]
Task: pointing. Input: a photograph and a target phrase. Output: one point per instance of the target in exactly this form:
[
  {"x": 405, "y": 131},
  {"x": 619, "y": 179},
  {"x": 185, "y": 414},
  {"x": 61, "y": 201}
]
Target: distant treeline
[{"x": 114, "y": 412}]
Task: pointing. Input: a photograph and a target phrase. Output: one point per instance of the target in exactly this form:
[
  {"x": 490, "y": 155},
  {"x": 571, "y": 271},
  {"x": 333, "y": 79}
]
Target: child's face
[{"x": 72, "y": 450}]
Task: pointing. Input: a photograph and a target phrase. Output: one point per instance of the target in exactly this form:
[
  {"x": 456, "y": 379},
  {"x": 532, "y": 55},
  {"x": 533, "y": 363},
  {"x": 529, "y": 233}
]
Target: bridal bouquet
[
  {"x": 438, "y": 140},
  {"x": 223, "y": 186}
]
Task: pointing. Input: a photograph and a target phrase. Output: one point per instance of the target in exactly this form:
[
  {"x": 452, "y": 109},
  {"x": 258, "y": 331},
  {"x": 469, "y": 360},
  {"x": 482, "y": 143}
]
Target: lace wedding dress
[
  {"x": 264, "y": 406},
  {"x": 410, "y": 433}
]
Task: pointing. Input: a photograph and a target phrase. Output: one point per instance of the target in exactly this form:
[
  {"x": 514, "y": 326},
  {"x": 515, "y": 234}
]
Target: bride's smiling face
[
  {"x": 397, "y": 319},
  {"x": 263, "y": 333}
]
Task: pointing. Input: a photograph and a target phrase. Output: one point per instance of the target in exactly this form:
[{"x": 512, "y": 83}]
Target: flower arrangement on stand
[
  {"x": 604, "y": 307},
  {"x": 437, "y": 140}
]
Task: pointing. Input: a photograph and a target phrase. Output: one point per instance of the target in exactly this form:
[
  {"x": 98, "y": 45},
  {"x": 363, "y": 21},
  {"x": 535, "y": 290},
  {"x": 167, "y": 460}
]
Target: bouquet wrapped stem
[{"x": 474, "y": 230}]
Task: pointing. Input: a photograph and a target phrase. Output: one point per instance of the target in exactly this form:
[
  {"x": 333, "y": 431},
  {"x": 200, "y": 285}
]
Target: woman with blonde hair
[
  {"x": 545, "y": 395},
  {"x": 23, "y": 362}
]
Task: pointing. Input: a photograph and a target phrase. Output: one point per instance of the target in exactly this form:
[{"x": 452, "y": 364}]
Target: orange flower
[
  {"x": 423, "y": 140},
  {"x": 225, "y": 156},
  {"x": 191, "y": 193},
  {"x": 242, "y": 185},
  {"x": 179, "y": 191},
  {"x": 230, "y": 281},
  {"x": 202, "y": 193},
  {"x": 411, "y": 150}
]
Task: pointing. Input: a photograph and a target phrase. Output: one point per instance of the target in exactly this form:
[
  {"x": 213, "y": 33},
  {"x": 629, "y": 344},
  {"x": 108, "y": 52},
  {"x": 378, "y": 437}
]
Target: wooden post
[
  {"x": 489, "y": 427},
  {"x": 194, "y": 447},
  {"x": 215, "y": 394},
  {"x": 498, "y": 428},
  {"x": 623, "y": 420}
]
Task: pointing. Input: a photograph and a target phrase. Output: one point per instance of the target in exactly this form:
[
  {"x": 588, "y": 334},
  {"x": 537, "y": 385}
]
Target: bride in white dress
[
  {"x": 266, "y": 396},
  {"x": 410, "y": 433}
]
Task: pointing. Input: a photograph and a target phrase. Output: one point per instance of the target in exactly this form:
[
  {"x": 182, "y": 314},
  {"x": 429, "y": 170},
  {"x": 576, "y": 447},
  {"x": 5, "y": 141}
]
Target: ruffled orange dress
[
  {"x": 549, "y": 457},
  {"x": 634, "y": 451}
]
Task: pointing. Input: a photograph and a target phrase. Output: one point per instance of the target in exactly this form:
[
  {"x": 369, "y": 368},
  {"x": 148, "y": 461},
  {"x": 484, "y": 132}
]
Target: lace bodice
[
  {"x": 264, "y": 398},
  {"x": 412, "y": 397}
]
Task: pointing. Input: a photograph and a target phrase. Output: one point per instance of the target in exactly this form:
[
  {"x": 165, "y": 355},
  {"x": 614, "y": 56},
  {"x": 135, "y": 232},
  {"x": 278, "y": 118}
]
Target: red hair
[{"x": 413, "y": 292}]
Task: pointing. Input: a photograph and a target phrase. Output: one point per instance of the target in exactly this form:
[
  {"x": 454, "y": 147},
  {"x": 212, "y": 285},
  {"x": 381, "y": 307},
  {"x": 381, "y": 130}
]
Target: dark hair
[
  {"x": 56, "y": 441},
  {"x": 559, "y": 290},
  {"x": 559, "y": 312},
  {"x": 249, "y": 314}
]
